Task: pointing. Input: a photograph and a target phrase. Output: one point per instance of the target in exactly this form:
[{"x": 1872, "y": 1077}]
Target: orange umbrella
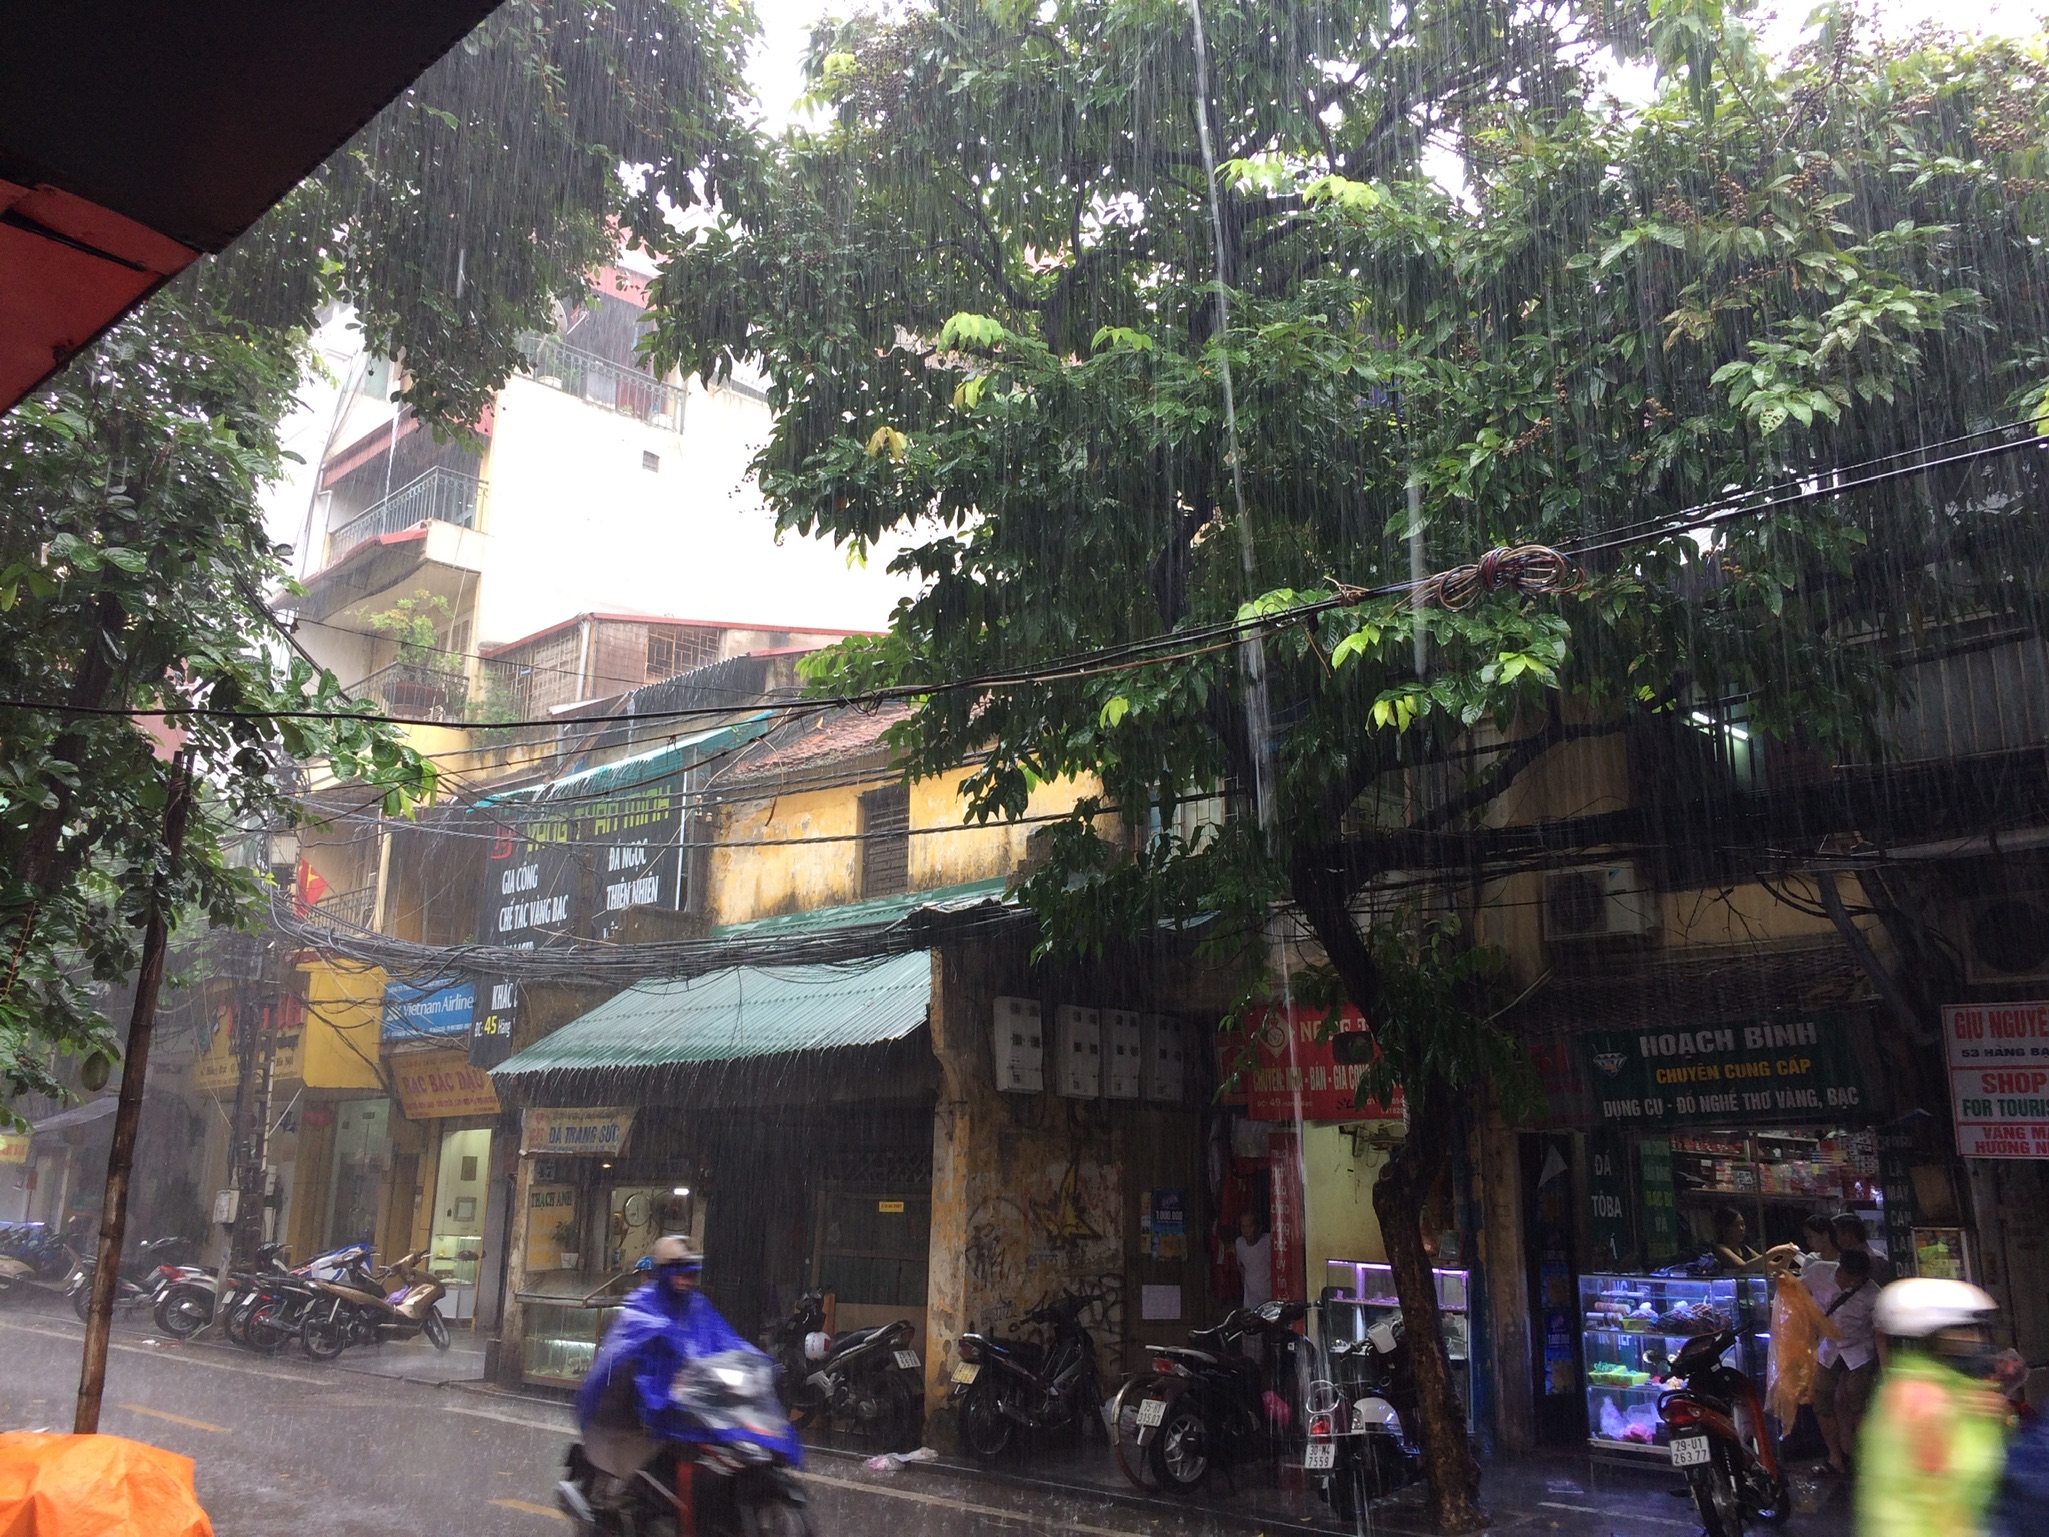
[{"x": 95, "y": 1486}]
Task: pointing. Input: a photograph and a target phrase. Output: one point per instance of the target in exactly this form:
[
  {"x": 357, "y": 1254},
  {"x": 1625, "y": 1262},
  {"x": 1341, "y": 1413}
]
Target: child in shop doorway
[{"x": 1255, "y": 1251}]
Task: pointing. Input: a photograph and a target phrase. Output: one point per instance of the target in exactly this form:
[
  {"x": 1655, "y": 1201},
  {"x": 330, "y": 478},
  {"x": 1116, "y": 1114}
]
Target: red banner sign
[{"x": 1295, "y": 1071}]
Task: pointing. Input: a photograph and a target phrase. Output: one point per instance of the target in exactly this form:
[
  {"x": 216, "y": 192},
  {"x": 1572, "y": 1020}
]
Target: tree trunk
[
  {"x": 92, "y": 1372},
  {"x": 1400, "y": 1195}
]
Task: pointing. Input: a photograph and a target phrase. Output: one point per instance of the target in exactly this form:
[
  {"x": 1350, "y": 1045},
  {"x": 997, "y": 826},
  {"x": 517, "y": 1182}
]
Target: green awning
[
  {"x": 686, "y": 752},
  {"x": 636, "y": 1041},
  {"x": 873, "y": 911}
]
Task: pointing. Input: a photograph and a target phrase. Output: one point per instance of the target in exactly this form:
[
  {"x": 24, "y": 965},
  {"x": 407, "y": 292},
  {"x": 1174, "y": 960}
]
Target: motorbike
[
  {"x": 1719, "y": 1438},
  {"x": 1206, "y": 1407},
  {"x": 137, "y": 1283},
  {"x": 1358, "y": 1449},
  {"x": 740, "y": 1483},
  {"x": 186, "y": 1304},
  {"x": 870, "y": 1380},
  {"x": 356, "y": 1310},
  {"x": 1002, "y": 1386},
  {"x": 40, "y": 1257}
]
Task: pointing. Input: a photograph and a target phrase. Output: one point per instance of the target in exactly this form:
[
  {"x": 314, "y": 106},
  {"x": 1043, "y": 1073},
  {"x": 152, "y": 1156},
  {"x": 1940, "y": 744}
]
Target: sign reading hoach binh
[
  {"x": 1764, "y": 1072},
  {"x": 1999, "y": 1077}
]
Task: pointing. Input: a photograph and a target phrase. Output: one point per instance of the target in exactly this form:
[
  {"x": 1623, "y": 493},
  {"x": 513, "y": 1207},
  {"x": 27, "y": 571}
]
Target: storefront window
[
  {"x": 362, "y": 1157},
  {"x": 456, "y": 1243}
]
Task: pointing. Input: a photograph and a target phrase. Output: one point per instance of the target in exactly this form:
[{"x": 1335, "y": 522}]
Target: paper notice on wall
[
  {"x": 1159, "y": 1304},
  {"x": 1999, "y": 1077}
]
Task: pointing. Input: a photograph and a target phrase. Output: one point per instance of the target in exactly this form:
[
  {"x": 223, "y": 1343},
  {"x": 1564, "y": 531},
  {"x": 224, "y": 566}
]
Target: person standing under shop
[
  {"x": 1934, "y": 1445},
  {"x": 1732, "y": 1244},
  {"x": 1255, "y": 1251},
  {"x": 1847, "y": 1364},
  {"x": 1851, "y": 1233}
]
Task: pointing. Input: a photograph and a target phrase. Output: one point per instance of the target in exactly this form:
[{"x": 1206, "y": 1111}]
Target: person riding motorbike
[
  {"x": 624, "y": 1408},
  {"x": 1934, "y": 1441}
]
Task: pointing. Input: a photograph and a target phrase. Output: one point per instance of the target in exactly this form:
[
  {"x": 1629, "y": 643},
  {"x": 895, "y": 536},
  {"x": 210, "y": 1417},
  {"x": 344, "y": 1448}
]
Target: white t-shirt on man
[{"x": 1256, "y": 1265}]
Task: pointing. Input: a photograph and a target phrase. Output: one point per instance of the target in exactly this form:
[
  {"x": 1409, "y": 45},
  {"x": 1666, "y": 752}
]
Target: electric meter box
[
  {"x": 1164, "y": 1069},
  {"x": 1078, "y": 1046},
  {"x": 1020, "y": 1043},
  {"x": 1122, "y": 1054}
]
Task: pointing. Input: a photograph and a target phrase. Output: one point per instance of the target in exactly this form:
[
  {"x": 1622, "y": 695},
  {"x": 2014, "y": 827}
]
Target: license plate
[
  {"x": 1689, "y": 1451},
  {"x": 908, "y": 1360},
  {"x": 1321, "y": 1457},
  {"x": 1152, "y": 1411},
  {"x": 966, "y": 1372}
]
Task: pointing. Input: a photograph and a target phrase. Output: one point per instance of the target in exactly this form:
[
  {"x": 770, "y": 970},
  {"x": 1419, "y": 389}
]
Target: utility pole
[{"x": 149, "y": 978}]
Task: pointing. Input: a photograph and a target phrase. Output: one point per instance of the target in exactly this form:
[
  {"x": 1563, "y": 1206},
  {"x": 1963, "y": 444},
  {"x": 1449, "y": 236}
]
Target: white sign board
[
  {"x": 590, "y": 1133},
  {"x": 1999, "y": 1077}
]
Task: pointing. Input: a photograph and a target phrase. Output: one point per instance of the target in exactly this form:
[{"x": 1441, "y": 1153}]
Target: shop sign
[
  {"x": 491, "y": 1032},
  {"x": 220, "y": 1069},
  {"x": 1660, "y": 1199},
  {"x": 1763, "y": 1072},
  {"x": 415, "y": 1013},
  {"x": 1612, "y": 1235},
  {"x": 552, "y": 874},
  {"x": 548, "y": 1208},
  {"x": 591, "y": 1133},
  {"x": 1294, "y": 1062},
  {"x": 13, "y": 1147},
  {"x": 434, "y": 1084},
  {"x": 1285, "y": 1206},
  {"x": 1999, "y": 1077}
]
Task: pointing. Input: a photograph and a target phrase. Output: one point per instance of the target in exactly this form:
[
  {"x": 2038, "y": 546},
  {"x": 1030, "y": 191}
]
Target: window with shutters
[{"x": 886, "y": 841}]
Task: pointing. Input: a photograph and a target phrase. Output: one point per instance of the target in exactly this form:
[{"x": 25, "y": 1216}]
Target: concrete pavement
[{"x": 288, "y": 1446}]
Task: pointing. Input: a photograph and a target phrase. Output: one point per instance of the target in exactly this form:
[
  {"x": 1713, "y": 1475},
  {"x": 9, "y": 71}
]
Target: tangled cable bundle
[{"x": 1534, "y": 570}]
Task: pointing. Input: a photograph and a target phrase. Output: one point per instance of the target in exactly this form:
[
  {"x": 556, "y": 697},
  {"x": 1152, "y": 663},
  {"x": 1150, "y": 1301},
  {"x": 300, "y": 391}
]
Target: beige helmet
[
  {"x": 676, "y": 1249},
  {"x": 1921, "y": 1306}
]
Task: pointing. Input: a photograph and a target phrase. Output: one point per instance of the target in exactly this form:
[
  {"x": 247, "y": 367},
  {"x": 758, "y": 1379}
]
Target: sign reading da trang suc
[{"x": 1757, "y": 1072}]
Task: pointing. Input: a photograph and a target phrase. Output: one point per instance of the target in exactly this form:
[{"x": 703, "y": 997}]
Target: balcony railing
[
  {"x": 631, "y": 391},
  {"x": 441, "y": 495},
  {"x": 415, "y": 691},
  {"x": 350, "y": 909}
]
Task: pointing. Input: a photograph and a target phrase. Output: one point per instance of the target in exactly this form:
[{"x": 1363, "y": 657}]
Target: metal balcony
[
  {"x": 416, "y": 691},
  {"x": 441, "y": 495},
  {"x": 350, "y": 909},
  {"x": 630, "y": 391}
]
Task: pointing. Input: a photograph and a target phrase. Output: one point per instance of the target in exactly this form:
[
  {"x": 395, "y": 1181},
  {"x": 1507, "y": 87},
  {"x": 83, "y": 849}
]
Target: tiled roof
[{"x": 844, "y": 734}]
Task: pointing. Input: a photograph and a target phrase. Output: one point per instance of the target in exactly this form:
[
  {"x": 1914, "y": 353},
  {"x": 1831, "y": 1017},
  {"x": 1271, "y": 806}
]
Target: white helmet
[{"x": 1923, "y": 1305}]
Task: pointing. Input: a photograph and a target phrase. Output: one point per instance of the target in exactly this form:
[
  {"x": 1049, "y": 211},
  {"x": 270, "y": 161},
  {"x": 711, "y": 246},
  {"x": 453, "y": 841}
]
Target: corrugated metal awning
[
  {"x": 740, "y": 1013},
  {"x": 686, "y": 752}
]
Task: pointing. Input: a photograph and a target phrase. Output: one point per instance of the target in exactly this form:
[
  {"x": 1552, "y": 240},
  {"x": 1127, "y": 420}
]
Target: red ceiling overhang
[{"x": 135, "y": 136}]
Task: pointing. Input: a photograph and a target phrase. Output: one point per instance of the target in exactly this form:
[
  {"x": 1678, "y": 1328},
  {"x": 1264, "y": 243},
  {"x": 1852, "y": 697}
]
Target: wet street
[{"x": 285, "y": 1446}]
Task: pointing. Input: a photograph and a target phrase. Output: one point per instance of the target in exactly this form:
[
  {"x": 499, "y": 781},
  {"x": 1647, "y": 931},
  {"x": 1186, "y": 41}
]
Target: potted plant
[{"x": 565, "y": 1241}]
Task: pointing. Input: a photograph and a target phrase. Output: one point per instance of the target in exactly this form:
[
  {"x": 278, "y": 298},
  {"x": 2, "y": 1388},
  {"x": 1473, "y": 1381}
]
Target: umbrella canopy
[
  {"x": 95, "y": 1486},
  {"x": 136, "y": 135}
]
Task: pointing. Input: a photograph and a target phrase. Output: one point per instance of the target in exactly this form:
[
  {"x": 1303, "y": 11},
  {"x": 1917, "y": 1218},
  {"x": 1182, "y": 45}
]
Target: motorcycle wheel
[
  {"x": 1714, "y": 1496},
  {"x": 324, "y": 1338},
  {"x": 81, "y": 1302},
  {"x": 1775, "y": 1499},
  {"x": 1351, "y": 1486},
  {"x": 774, "y": 1518},
  {"x": 900, "y": 1420},
  {"x": 1181, "y": 1456},
  {"x": 183, "y": 1311},
  {"x": 985, "y": 1430},
  {"x": 235, "y": 1323},
  {"x": 263, "y": 1331},
  {"x": 435, "y": 1329}
]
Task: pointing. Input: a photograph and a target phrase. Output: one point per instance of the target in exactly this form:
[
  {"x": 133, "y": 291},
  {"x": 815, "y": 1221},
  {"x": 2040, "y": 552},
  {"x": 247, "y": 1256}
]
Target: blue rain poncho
[{"x": 656, "y": 1333}]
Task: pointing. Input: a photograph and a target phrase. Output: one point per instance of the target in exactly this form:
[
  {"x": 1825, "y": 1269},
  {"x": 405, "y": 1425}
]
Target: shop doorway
[
  {"x": 362, "y": 1159},
  {"x": 455, "y": 1245},
  {"x": 871, "y": 1249}
]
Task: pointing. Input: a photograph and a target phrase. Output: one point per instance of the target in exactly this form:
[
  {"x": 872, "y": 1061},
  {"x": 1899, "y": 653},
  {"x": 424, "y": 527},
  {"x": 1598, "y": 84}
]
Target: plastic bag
[
  {"x": 1798, "y": 1326},
  {"x": 95, "y": 1486}
]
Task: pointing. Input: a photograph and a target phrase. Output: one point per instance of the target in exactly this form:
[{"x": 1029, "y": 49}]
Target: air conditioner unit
[
  {"x": 1597, "y": 902},
  {"x": 1078, "y": 1045},
  {"x": 1020, "y": 1046},
  {"x": 2006, "y": 939},
  {"x": 1122, "y": 1054}
]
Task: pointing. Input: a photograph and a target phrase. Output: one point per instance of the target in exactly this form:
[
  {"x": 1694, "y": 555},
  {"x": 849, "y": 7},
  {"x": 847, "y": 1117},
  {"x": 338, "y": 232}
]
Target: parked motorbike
[
  {"x": 39, "y": 1256},
  {"x": 1003, "y": 1385},
  {"x": 186, "y": 1304},
  {"x": 356, "y": 1310},
  {"x": 1719, "y": 1438},
  {"x": 138, "y": 1282},
  {"x": 741, "y": 1484},
  {"x": 1206, "y": 1406},
  {"x": 867, "y": 1380},
  {"x": 1358, "y": 1447}
]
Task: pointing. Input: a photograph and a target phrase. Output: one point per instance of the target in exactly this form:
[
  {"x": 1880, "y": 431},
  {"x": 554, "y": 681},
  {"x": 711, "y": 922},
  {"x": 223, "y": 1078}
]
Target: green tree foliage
[
  {"x": 133, "y": 569},
  {"x": 492, "y": 189},
  {"x": 985, "y": 296}
]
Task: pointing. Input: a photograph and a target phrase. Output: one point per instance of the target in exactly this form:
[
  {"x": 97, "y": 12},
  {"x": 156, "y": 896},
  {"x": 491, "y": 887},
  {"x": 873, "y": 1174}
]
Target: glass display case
[
  {"x": 1358, "y": 1295},
  {"x": 562, "y": 1335},
  {"x": 1631, "y": 1327}
]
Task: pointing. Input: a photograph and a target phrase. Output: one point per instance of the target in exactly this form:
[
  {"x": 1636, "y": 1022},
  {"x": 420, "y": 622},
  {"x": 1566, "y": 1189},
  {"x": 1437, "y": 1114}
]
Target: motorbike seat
[{"x": 855, "y": 1337}]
